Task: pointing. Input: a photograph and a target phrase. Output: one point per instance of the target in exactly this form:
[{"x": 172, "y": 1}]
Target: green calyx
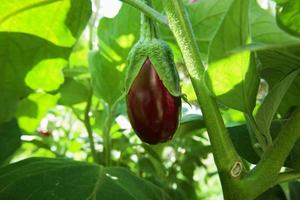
[{"x": 158, "y": 52}]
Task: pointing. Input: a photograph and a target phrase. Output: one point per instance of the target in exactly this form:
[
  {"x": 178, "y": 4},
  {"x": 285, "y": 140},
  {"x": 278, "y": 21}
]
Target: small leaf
[
  {"x": 107, "y": 80},
  {"x": 72, "y": 92},
  {"x": 268, "y": 109}
]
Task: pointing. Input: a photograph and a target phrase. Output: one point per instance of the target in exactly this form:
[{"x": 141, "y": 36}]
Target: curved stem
[
  {"x": 224, "y": 152},
  {"x": 266, "y": 171},
  {"x": 148, "y": 25},
  {"x": 110, "y": 113},
  {"x": 254, "y": 131},
  {"x": 287, "y": 176},
  {"x": 150, "y": 12},
  {"x": 88, "y": 126}
]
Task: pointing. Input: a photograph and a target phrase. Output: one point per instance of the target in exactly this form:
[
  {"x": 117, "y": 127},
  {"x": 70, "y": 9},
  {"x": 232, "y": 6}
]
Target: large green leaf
[
  {"x": 288, "y": 15},
  {"x": 265, "y": 32},
  {"x": 18, "y": 54},
  {"x": 232, "y": 30},
  {"x": 234, "y": 81},
  {"x": 10, "y": 139},
  {"x": 58, "y": 21},
  {"x": 42, "y": 178},
  {"x": 207, "y": 16}
]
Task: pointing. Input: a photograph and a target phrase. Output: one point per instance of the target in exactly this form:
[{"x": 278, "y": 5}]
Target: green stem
[
  {"x": 106, "y": 133},
  {"x": 89, "y": 128},
  {"x": 259, "y": 137},
  {"x": 265, "y": 173},
  {"x": 224, "y": 152},
  {"x": 287, "y": 176},
  {"x": 148, "y": 26},
  {"x": 150, "y": 12}
]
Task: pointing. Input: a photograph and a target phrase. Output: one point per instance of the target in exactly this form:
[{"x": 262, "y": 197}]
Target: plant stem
[
  {"x": 88, "y": 126},
  {"x": 106, "y": 133},
  {"x": 224, "y": 152},
  {"x": 258, "y": 136},
  {"x": 150, "y": 12},
  {"x": 266, "y": 171},
  {"x": 287, "y": 176}
]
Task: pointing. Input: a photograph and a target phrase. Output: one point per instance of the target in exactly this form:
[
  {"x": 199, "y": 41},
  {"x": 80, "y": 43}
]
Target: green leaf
[
  {"x": 119, "y": 34},
  {"x": 42, "y": 178},
  {"x": 277, "y": 64},
  {"x": 59, "y": 22},
  {"x": 107, "y": 79},
  {"x": 265, "y": 32},
  {"x": 32, "y": 110},
  {"x": 294, "y": 188},
  {"x": 268, "y": 109},
  {"x": 116, "y": 36},
  {"x": 72, "y": 92},
  {"x": 207, "y": 16},
  {"x": 288, "y": 15},
  {"x": 18, "y": 54},
  {"x": 10, "y": 139},
  {"x": 46, "y": 75},
  {"x": 241, "y": 140},
  {"x": 230, "y": 77},
  {"x": 274, "y": 193},
  {"x": 234, "y": 81},
  {"x": 232, "y": 30}
]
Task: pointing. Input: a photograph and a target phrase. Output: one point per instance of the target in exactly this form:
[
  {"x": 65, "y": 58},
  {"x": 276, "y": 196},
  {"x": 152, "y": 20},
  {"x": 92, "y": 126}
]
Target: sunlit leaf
[
  {"x": 32, "y": 109},
  {"x": 234, "y": 81},
  {"x": 58, "y": 21}
]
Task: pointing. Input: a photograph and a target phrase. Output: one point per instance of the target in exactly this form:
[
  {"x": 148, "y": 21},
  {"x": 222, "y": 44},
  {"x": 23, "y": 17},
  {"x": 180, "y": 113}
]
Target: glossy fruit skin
[{"x": 153, "y": 112}]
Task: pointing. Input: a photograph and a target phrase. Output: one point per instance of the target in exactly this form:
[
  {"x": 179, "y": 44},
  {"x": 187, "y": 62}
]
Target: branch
[
  {"x": 88, "y": 127},
  {"x": 150, "y": 12},
  {"x": 266, "y": 171},
  {"x": 225, "y": 155},
  {"x": 287, "y": 176}
]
